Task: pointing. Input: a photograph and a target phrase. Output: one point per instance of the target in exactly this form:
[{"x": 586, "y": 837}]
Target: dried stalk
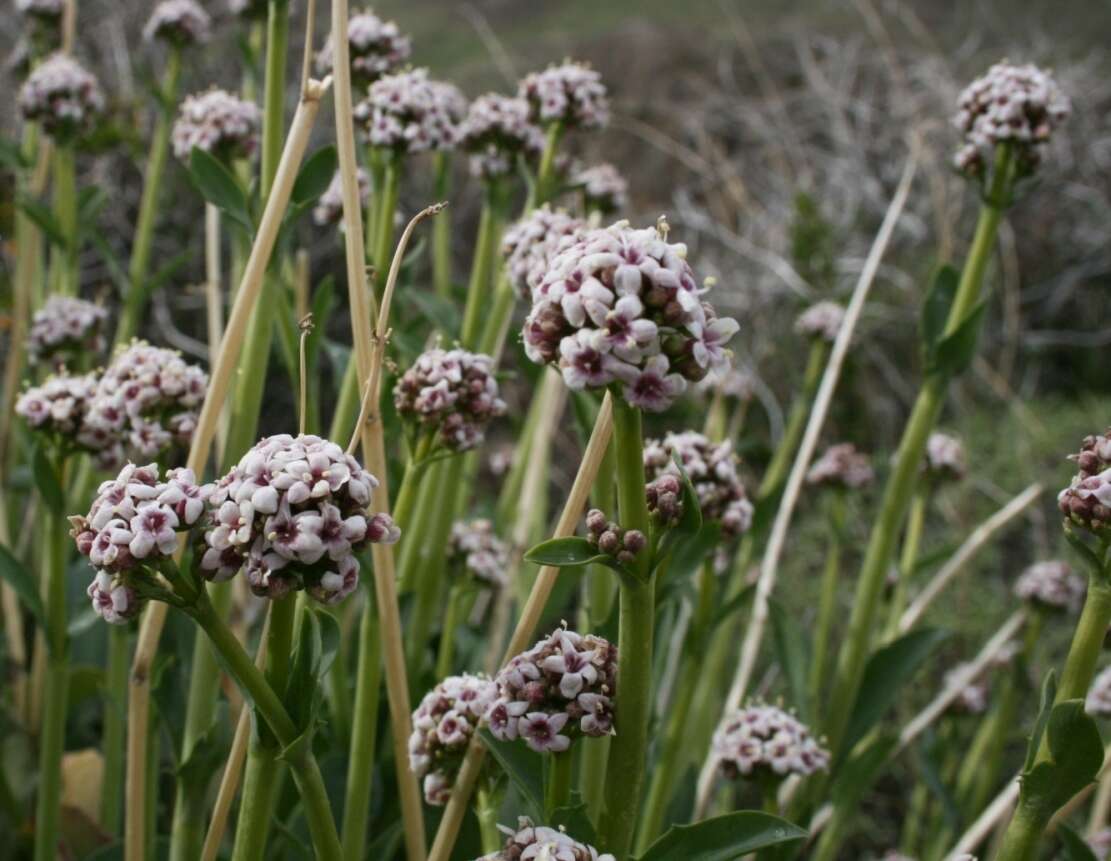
[
  {"x": 526, "y": 625},
  {"x": 222, "y": 374},
  {"x": 770, "y": 566},
  {"x": 214, "y": 296}
]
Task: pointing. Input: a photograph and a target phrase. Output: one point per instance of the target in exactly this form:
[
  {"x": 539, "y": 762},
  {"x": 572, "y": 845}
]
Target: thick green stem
[
  {"x": 557, "y": 791},
  {"x": 633, "y": 702},
  {"x": 490, "y": 226},
  {"x": 139, "y": 267},
  {"x": 1020, "y": 842},
  {"x": 456, "y": 604},
  {"x": 505, "y": 296},
  {"x": 486, "y": 804},
  {"x": 64, "y": 259},
  {"x": 112, "y": 736},
  {"x": 915, "y": 521},
  {"x": 250, "y": 383},
  {"x": 360, "y": 772},
  {"x": 441, "y": 229},
  {"x": 827, "y": 601},
  {"x": 1087, "y": 641},
  {"x": 273, "y": 118},
  {"x": 387, "y": 206},
  {"x": 545, "y": 187}
]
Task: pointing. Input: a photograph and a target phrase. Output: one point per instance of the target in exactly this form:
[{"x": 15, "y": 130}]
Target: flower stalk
[{"x": 827, "y": 600}]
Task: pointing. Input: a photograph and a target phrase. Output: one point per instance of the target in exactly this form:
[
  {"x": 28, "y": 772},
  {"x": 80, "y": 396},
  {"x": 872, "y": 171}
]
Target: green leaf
[
  {"x": 23, "y": 584},
  {"x": 1076, "y": 753},
  {"x": 567, "y": 553},
  {"x": 1091, "y": 559},
  {"x": 792, "y": 650},
  {"x": 1073, "y": 846},
  {"x": 1045, "y": 706},
  {"x": 955, "y": 352},
  {"x": 723, "y": 838},
  {"x": 857, "y": 774},
  {"x": 884, "y": 675},
  {"x": 45, "y": 221},
  {"x": 935, "y": 310},
  {"x": 207, "y": 754},
  {"x": 737, "y": 602},
  {"x": 11, "y": 155},
  {"x": 575, "y": 820},
  {"x": 219, "y": 186},
  {"x": 314, "y": 177},
  {"x": 302, "y": 687},
  {"x": 46, "y": 480},
  {"x": 524, "y": 768}
]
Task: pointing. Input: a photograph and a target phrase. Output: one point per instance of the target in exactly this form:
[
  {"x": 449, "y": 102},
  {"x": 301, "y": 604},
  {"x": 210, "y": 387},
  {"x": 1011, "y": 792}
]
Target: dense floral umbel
[
  {"x": 539, "y": 843},
  {"x": 131, "y": 527},
  {"x": 569, "y": 93},
  {"x": 530, "y": 244},
  {"x": 621, "y": 306},
  {"x": 218, "y": 123},
  {"x": 62, "y": 96},
  {"x": 477, "y": 551},
  {"x": 1051, "y": 584},
  {"x": 443, "y": 725},
  {"x": 561, "y": 688},
  {"x": 1086, "y": 502},
  {"x": 711, "y": 468},
  {"x": 65, "y": 329},
  {"x": 1099, "y": 694},
  {"x": 452, "y": 393},
  {"x": 376, "y": 48},
  {"x": 972, "y": 699},
  {"x": 58, "y": 407},
  {"x": 146, "y": 402},
  {"x": 945, "y": 457},
  {"x": 604, "y": 188},
  {"x": 292, "y": 514},
  {"x": 329, "y": 206},
  {"x": 763, "y": 740},
  {"x": 407, "y": 113},
  {"x": 821, "y": 320},
  {"x": 496, "y": 131},
  {"x": 179, "y": 22},
  {"x": 841, "y": 466},
  {"x": 624, "y": 545},
  {"x": 1017, "y": 105}
]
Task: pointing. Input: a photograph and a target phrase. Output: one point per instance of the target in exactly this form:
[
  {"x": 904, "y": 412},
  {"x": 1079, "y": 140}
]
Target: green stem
[
  {"x": 490, "y": 226},
  {"x": 545, "y": 174},
  {"x": 138, "y": 269},
  {"x": 557, "y": 792},
  {"x": 456, "y": 602},
  {"x": 505, "y": 297},
  {"x": 1020, "y": 842},
  {"x": 273, "y": 118},
  {"x": 387, "y": 206},
  {"x": 915, "y": 521},
  {"x": 347, "y": 405},
  {"x": 784, "y": 455},
  {"x": 487, "y": 802},
  {"x": 64, "y": 259},
  {"x": 112, "y": 737},
  {"x": 251, "y": 381},
  {"x": 441, "y": 228},
  {"x": 633, "y": 701},
  {"x": 827, "y": 602},
  {"x": 360, "y": 774},
  {"x": 1087, "y": 641}
]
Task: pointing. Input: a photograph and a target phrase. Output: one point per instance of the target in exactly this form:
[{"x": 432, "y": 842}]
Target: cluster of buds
[
  {"x": 624, "y": 545},
  {"x": 147, "y": 401},
  {"x": 1086, "y": 502},
  {"x": 292, "y": 514},
  {"x": 443, "y": 725},
  {"x": 603, "y": 187},
  {"x": 665, "y": 500},
  {"x": 530, "y": 244},
  {"x": 218, "y": 123},
  {"x": 407, "y": 113},
  {"x": 1098, "y": 702},
  {"x": 62, "y": 96},
  {"x": 131, "y": 529},
  {"x": 496, "y": 131},
  {"x": 821, "y": 320},
  {"x": 179, "y": 22},
  {"x": 561, "y": 688},
  {"x": 452, "y": 393},
  {"x": 477, "y": 550},
  {"x": 539, "y": 843},
  {"x": 764, "y": 741},
  {"x": 945, "y": 458},
  {"x": 711, "y": 468},
  {"x": 1051, "y": 585},
  {"x": 376, "y": 47},
  {"x": 66, "y": 328},
  {"x": 58, "y": 407},
  {"x": 1020, "y": 106},
  {"x": 621, "y": 306},
  {"x": 329, "y": 206},
  {"x": 841, "y": 466},
  {"x": 571, "y": 94},
  {"x": 972, "y": 699}
]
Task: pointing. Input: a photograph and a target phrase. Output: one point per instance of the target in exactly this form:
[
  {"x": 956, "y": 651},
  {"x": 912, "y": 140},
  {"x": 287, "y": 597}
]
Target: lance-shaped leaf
[
  {"x": 569, "y": 553},
  {"x": 219, "y": 187},
  {"x": 23, "y": 584},
  {"x": 524, "y": 768},
  {"x": 723, "y": 838}
]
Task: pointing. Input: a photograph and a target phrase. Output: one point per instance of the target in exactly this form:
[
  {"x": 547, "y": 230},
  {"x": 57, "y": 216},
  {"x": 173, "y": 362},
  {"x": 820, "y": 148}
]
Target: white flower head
[
  {"x": 62, "y": 96},
  {"x": 218, "y": 123}
]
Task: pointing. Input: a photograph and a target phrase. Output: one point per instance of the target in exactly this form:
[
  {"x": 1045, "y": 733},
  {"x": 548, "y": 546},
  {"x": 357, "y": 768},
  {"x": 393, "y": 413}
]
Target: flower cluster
[
  {"x": 711, "y": 468},
  {"x": 731, "y": 382},
  {"x": 571, "y": 93},
  {"x": 62, "y": 96},
  {"x": 621, "y": 306},
  {"x": 179, "y": 22},
  {"x": 1086, "y": 502},
  {"x": 766, "y": 740},
  {"x": 479, "y": 552},
  {"x": 329, "y": 206},
  {"x": 1099, "y": 695},
  {"x": 376, "y": 48},
  {"x": 972, "y": 699},
  {"x": 559, "y": 689},
  {"x": 945, "y": 457},
  {"x": 821, "y": 320},
  {"x": 146, "y": 401},
  {"x": 529, "y": 245},
  {"x": 1016, "y": 105},
  {"x": 443, "y": 725},
  {"x": 58, "y": 407},
  {"x": 292, "y": 514},
  {"x": 604, "y": 188},
  {"x": 452, "y": 393},
  {"x": 407, "y": 113},
  {"x": 66, "y": 327},
  {"x": 539, "y": 843},
  {"x": 131, "y": 528},
  {"x": 218, "y": 123},
  {"x": 495, "y": 132},
  {"x": 841, "y": 466},
  {"x": 1052, "y": 585},
  {"x": 624, "y": 545}
]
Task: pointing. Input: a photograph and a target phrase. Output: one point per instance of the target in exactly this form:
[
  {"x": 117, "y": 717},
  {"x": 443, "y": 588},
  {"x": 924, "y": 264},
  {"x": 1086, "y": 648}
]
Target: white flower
[
  {"x": 653, "y": 389},
  {"x": 1052, "y": 584},
  {"x": 821, "y": 320},
  {"x": 62, "y": 96},
  {"x": 569, "y": 93},
  {"x": 407, "y": 113},
  {"x": 604, "y": 188},
  {"x": 218, "y": 123},
  {"x": 764, "y": 738},
  {"x": 376, "y": 47},
  {"x": 181, "y": 22}
]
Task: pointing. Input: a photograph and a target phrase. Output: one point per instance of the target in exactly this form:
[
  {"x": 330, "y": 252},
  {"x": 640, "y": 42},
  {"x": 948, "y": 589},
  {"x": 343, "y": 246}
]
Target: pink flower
[
  {"x": 153, "y": 526},
  {"x": 576, "y": 669},
  {"x": 295, "y": 536},
  {"x": 710, "y": 340},
  {"x": 541, "y": 731},
  {"x": 654, "y": 388},
  {"x": 627, "y": 334}
]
